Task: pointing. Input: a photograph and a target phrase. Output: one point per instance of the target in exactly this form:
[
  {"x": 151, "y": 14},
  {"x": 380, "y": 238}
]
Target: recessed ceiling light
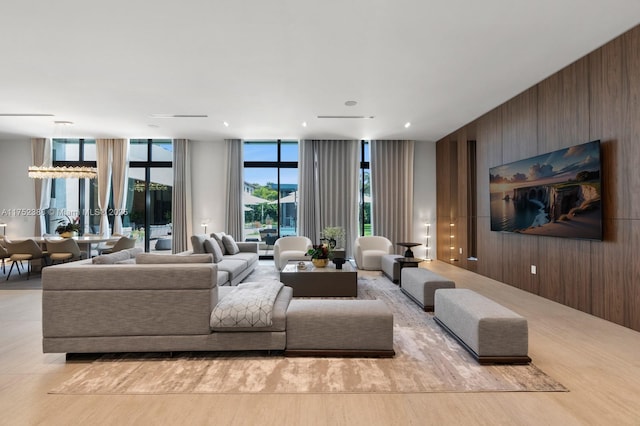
[
  {"x": 225, "y": 124},
  {"x": 407, "y": 125},
  {"x": 63, "y": 123},
  {"x": 351, "y": 103},
  {"x": 179, "y": 116},
  {"x": 304, "y": 124},
  {"x": 154, "y": 126}
]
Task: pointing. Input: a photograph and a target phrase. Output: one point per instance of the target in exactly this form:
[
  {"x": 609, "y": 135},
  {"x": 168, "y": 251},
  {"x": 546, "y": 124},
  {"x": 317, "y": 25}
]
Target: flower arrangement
[
  {"x": 334, "y": 236},
  {"x": 320, "y": 251},
  {"x": 68, "y": 225}
]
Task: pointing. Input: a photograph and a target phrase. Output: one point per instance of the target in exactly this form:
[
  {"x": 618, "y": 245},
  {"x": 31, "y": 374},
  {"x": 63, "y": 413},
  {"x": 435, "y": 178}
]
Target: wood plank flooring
[{"x": 597, "y": 360}]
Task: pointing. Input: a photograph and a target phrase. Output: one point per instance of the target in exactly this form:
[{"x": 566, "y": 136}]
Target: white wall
[
  {"x": 209, "y": 183},
  {"x": 424, "y": 197},
  {"x": 17, "y": 190}
]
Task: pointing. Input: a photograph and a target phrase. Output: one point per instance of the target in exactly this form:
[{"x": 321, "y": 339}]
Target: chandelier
[{"x": 63, "y": 172}]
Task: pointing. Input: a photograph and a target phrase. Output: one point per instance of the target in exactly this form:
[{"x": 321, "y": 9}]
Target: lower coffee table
[{"x": 320, "y": 282}]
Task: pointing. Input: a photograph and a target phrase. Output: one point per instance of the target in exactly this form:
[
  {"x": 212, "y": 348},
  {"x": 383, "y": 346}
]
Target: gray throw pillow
[
  {"x": 218, "y": 237},
  {"x": 111, "y": 258},
  {"x": 230, "y": 245},
  {"x": 197, "y": 242},
  {"x": 149, "y": 258},
  {"x": 211, "y": 246}
]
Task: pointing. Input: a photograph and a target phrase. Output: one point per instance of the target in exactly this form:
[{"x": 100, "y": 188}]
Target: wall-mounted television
[{"x": 556, "y": 194}]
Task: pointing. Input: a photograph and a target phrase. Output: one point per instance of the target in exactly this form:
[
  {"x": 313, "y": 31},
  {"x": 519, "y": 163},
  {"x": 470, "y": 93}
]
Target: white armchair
[
  {"x": 290, "y": 248},
  {"x": 369, "y": 251}
]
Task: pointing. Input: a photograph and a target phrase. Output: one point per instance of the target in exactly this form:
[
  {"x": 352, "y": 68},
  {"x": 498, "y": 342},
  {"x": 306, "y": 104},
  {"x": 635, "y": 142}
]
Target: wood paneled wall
[{"x": 597, "y": 97}]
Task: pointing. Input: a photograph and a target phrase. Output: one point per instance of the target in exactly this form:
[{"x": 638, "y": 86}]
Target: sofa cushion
[
  {"x": 250, "y": 258},
  {"x": 212, "y": 246},
  {"x": 197, "y": 242},
  {"x": 218, "y": 237},
  {"x": 233, "y": 267},
  {"x": 230, "y": 245},
  {"x": 150, "y": 258}
]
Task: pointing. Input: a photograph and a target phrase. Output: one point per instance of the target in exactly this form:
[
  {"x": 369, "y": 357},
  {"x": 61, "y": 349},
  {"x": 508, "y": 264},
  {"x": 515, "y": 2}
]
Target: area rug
[{"x": 427, "y": 360}]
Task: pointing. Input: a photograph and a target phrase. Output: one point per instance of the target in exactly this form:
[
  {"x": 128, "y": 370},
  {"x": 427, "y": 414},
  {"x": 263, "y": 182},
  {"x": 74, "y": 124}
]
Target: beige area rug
[{"x": 427, "y": 360}]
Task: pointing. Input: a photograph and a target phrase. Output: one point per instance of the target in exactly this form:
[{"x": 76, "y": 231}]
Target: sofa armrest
[{"x": 247, "y": 246}]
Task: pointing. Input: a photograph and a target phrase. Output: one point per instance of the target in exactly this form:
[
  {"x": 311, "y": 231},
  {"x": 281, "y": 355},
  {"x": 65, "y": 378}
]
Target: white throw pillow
[{"x": 230, "y": 245}]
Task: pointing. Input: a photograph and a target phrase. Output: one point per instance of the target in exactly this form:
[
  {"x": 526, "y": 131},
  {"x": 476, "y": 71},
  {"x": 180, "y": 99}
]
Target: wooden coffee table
[{"x": 320, "y": 282}]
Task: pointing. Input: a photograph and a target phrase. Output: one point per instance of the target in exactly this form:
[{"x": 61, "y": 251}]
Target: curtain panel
[
  {"x": 41, "y": 153},
  {"x": 235, "y": 213},
  {"x": 329, "y": 188},
  {"x": 392, "y": 189},
  {"x": 181, "y": 197},
  {"x": 120, "y": 166}
]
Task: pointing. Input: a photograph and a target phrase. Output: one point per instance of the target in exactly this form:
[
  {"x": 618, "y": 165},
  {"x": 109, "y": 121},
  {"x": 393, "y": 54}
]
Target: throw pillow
[
  {"x": 197, "y": 242},
  {"x": 211, "y": 246},
  {"x": 111, "y": 258},
  {"x": 230, "y": 245},
  {"x": 218, "y": 237},
  {"x": 149, "y": 258}
]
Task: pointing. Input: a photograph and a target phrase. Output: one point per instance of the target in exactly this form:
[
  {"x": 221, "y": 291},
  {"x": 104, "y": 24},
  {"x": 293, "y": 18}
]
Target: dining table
[{"x": 84, "y": 242}]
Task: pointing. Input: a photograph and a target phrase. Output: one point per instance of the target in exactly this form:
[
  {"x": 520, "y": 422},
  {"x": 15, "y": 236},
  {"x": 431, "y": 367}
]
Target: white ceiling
[{"x": 265, "y": 66}]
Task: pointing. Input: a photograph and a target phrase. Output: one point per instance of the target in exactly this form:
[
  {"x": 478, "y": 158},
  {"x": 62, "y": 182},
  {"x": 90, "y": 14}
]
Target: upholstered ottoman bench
[
  {"x": 491, "y": 332},
  {"x": 329, "y": 327},
  {"x": 390, "y": 267},
  {"x": 420, "y": 285}
]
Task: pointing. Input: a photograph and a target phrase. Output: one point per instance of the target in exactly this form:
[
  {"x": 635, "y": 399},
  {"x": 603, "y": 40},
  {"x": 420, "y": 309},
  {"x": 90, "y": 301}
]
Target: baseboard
[{"x": 340, "y": 353}]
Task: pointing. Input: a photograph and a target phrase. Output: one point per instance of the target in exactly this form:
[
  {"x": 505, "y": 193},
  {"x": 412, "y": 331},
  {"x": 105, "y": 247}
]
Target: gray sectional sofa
[
  {"x": 232, "y": 268},
  {"x": 167, "y": 303},
  {"x": 90, "y": 308}
]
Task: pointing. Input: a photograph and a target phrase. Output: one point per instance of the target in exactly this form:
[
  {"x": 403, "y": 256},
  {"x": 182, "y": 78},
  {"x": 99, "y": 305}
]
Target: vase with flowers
[
  {"x": 319, "y": 255},
  {"x": 68, "y": 228}
]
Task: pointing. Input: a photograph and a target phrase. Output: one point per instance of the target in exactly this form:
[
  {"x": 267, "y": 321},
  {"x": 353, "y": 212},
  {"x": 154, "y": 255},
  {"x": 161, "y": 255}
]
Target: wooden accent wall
[{"x": 597, "y": 97}]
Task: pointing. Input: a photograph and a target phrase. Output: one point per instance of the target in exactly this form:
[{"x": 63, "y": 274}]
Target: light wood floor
[{"x": 597, "y": 360}]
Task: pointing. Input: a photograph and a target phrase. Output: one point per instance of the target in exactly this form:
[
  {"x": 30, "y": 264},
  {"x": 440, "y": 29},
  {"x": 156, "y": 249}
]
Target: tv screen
[{"x": 556, "y": 194}]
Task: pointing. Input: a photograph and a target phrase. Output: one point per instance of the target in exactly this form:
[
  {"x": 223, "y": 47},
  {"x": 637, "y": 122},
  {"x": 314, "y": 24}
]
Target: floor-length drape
[
  {"x": 41, "y": 156},
  {"x": 392, "y": 189},
  {"x": 120, "y": 158},
  {"x": 103, "y": 161},
  {"x": 181, "y": 196},
  {"x": 331, "y": 173},
  {"x": 234, "y": 220}
]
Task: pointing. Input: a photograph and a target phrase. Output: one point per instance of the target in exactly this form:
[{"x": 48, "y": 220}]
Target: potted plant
[
  {"x": 68, "y": 228},
  {"x": 319, "y": 255},
  {"x": 334, "y": 236}
]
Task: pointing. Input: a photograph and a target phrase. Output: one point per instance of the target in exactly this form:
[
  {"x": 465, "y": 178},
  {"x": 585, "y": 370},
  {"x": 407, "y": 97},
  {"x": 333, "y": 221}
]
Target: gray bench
[
  {"x": 420, "y": 284},
  {"x": 339, "y": 328},
  {"x": 488, "y": 330},
  {"x": 390, "y": 267}
]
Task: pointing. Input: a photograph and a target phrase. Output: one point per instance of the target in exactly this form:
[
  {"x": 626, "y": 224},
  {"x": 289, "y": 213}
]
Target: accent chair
[
  {"x": 369, "y": 251},
  {"x": 290, "y": 248}
]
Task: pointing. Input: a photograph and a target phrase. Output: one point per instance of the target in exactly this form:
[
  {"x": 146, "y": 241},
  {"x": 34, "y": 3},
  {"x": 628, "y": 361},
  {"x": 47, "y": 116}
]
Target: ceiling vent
[{"x": 361, "y": 117}]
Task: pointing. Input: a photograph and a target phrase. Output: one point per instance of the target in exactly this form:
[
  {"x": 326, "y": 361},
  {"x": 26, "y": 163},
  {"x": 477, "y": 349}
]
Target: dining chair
[
  {"x": 122, "y": 244},
  {"x": 63, "y": 250},
  {"x": 20, "y": 251},
  {"x": 4, "y": 254}
]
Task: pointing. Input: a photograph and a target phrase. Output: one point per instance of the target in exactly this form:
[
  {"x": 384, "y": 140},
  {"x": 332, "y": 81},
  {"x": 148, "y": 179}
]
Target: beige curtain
[
  {"x": 120, "y": 158},
  {"x": 235, "y": 213},
  {"x": 41, "y": 156},
  {"x": 103, "y": 161},
  {"x": 392, "y": 189},
  {"x": 181, "y": 197},
  {"x": 329, "y": 188}
]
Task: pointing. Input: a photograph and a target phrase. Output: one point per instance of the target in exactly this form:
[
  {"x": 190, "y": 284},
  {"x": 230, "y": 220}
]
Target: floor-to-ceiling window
[
  {"x": 74, "y": 198},
  {"x": 270, "y": 195},
  {"x": 365, "y": 189},
  {"x": 149, "y": 191}
]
